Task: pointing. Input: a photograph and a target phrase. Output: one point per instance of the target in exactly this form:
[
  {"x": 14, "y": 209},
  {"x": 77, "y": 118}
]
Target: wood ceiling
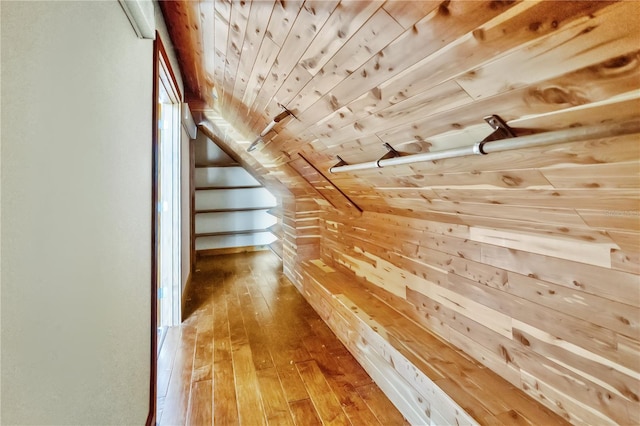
[{"x": 419, "y": 75}]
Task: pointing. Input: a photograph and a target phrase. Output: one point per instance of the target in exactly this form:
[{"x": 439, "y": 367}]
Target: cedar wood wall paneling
[{"x": 527, "y": 260}]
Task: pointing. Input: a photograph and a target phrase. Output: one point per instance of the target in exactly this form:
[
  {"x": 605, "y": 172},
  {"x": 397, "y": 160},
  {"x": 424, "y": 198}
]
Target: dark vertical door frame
[{"x": 158, "y": 52}]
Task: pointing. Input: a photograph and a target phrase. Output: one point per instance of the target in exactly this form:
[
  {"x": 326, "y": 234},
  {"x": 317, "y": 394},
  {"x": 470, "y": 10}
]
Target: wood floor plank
[
  {"x": 225, "y": 407},
  {"x": 250, "y": 408},
  {"x": 304, "y": 413},
  {"x": 200, "y": 413},
  {"x": 273, "y": 397},
  {"x": 202, "y": 362},
  {"x": 260, "y": 352},
  {"x": 324, "y": 400},
  {"x": 252, "y": 351},
  {"x": 292, "y": 383},
  {"x": 380, "y": 405},
  {"x": 341, "y": 383},
  {"x": 165, "y": 364},
  {"x": 178, "y": 393}
]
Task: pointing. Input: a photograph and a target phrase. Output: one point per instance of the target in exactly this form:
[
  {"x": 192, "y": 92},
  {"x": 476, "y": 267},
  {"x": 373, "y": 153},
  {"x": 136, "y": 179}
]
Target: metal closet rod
[{"x": 572, "y": 134}]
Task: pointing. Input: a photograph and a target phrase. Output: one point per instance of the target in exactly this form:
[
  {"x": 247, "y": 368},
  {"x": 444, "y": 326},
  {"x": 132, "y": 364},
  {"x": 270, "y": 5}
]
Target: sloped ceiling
[{"x": 419, "y": 75}]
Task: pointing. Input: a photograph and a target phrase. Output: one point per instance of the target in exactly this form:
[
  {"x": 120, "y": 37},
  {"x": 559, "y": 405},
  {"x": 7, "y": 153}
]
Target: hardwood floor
[{"x": 253, "y": 352}]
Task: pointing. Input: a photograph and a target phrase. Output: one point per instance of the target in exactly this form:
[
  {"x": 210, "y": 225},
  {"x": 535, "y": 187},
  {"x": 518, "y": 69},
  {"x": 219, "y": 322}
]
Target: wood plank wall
[{"x": 527, "y": 260}]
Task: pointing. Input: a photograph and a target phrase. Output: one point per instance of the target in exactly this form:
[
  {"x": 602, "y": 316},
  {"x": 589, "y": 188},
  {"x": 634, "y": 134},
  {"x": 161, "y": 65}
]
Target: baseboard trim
[
  {"x": 230, "y": 250},
  {"x": 185, "y": 288}
]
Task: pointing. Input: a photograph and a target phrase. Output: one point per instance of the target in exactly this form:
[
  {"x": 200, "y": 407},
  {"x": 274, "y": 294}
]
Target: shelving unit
[{"x": 232, "y": 210}]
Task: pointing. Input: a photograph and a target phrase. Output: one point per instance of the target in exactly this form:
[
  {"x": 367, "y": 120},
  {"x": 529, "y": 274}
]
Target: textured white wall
[
  {"x": 208, "y": 152},
  {"x": 76, "y": 211}
]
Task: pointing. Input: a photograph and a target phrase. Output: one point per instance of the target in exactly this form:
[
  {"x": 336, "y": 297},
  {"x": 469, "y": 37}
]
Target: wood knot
[
  {"x": 478, "y": 34},
  {"x": 558, "y": 96},
  {"x": 535, "y": 26},
  {"x": 588, "y": 29},
  {"x": 334, "y": 102},
  {"x": 511, "y": 180},
  {"x": 521, "y": 338},
  {"x": 617, "y": 66},
  {"x": 618, "y": 62},
  {"x": 500, "y": 4},
  {"x": 505, "y": 354},
  {"x": 443, "y": 9},
  {"x": 624, "y": 321}
]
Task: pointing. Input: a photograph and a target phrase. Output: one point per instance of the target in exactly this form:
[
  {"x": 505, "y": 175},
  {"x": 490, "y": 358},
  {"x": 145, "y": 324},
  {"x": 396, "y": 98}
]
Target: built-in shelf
[
  {"x": 276, "y": 248},
  {"x": 245, "y": 209},
  {"x": 276, "y": 230},
  {"x": 213, "y": 188},
  {"x": 240, "y": 232},
  {"x": 275, "y": 211},
  {"x": 204, "y": 166}
]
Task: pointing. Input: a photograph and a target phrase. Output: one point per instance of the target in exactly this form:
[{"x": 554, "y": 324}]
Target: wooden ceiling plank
[
  {"x": 442, "y": 98},
  {"x": 265, "y": 59},
  {"x": 346, "y": 19},
  {"x": 207, "y": 36},
  {"x": 308, "y": 23},
  {"x": 367, "y": 109},
  {"x": 429, "y": 35},
  {"x": 609, "y": 33},
  {"x": 570, "y": 90},
  {"x": 574, "y": 90},
  {"x": 221, "y": 26},
  {"x": 372, "y": 37},
  {"x": 624, "y": 107},
  {"x": 256, "y": 30},
  {"x": 297, "y": 79},
  {"x": 407, "y": 13},
  {"x": 484, "y": 43},
  {"x": 282, "y": 18},
  {"x": 402, "y": 89},
  {"x": 625, "y": 175},
  {"x": 237, "y": 27}
]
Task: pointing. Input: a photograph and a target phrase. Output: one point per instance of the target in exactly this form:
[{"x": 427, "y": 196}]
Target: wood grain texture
[
  {"x": 252, "y": 351},
  {"x": 527, "y": 261}
]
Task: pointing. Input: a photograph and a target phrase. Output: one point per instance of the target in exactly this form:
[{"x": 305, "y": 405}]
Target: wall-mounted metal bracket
[
  {"x": 287, "y": 111},
  {"x": 391, "y": 153},
  {"x": 254, "y": 144},
  {"x": 340, "y": 162},
  {"x": 501, "y": 130}
]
